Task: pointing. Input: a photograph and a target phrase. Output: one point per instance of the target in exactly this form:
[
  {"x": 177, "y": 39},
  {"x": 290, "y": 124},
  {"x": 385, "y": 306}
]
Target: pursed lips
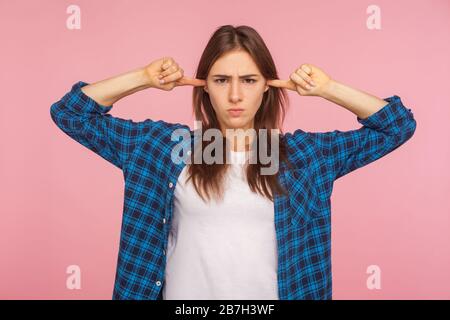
[{"x": 235, "y": 112}]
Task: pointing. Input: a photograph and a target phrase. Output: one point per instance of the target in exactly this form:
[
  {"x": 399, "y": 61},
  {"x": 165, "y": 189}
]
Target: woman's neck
[
  {"x": 239, "y": 141},
  {"x": 240, "y": 145}
]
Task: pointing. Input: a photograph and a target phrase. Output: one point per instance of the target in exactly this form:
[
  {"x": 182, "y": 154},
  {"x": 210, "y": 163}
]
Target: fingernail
[
  {"x": 308, "y": 86},
  {"x": 313, "y": 83},
  {"x": 161, "y": 81},
  {"x": 160, "y": 76}
]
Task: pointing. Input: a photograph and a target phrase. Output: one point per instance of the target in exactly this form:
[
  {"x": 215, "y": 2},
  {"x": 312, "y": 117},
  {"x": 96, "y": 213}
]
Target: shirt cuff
[
  {"x": 82, "y": 103},
  {"x": 391, "y": 112}
]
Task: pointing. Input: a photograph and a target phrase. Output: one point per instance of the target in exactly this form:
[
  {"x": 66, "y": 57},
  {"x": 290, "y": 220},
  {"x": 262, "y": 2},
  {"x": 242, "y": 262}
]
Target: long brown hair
[{"x": 270, "y": 115}]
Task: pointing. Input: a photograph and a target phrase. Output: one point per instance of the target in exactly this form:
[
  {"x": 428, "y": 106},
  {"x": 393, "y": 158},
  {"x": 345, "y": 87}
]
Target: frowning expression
[{"x": 235, "y": 82}]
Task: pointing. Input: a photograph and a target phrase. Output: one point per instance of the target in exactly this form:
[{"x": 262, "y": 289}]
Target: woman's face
[{"x": 234, "y": 81}]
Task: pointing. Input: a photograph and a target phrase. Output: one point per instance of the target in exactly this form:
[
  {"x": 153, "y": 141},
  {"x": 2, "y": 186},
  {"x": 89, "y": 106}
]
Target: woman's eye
[{"x": 248, "y": 80}]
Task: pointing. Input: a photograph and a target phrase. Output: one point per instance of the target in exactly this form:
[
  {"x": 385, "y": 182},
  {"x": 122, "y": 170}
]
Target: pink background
[{"x": 61, "y": 204}]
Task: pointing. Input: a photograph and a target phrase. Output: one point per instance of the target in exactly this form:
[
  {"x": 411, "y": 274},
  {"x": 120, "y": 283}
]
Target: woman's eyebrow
[{"x": 241, "y": 77}]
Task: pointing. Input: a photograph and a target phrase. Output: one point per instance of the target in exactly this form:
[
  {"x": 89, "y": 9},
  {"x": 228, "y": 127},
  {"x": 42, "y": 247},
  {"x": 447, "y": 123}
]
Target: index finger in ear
[
  {"x": 276, "y": 83},
  {"x": 287, "y": 84},
  {"x": 184, "y": 81}
]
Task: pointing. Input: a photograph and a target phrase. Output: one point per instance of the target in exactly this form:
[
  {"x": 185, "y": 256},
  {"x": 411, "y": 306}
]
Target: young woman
[{"x": 224, "y": 230}]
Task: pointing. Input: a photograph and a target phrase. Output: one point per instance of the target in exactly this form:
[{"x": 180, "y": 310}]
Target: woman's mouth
[{"x": 235, "y": 112}]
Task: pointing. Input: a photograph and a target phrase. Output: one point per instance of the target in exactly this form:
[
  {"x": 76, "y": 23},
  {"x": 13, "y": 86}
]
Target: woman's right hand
[{"x": 168, "y": 70}]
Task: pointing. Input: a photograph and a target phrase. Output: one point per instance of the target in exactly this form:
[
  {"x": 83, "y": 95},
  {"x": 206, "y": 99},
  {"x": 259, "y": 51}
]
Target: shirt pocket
[{"x": 305, "y": 203}]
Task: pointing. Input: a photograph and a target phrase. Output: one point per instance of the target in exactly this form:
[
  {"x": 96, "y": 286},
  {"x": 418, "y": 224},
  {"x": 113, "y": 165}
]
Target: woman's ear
[
  {"x": 205, "y": 87},
  {"x": 267, "y": 86}
]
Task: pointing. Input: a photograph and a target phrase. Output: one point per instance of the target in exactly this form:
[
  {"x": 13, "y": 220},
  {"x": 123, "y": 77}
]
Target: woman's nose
[{"x": 235, "y": 90}]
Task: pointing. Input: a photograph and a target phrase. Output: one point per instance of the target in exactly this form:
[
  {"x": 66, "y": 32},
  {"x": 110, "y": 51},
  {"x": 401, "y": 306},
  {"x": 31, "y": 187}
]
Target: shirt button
[
  {"x": 158, "y": 283},
  {"x": 170, "y": 184},
  {"x": 164, "y": 220},
  {"x": 189, "y": 152}
]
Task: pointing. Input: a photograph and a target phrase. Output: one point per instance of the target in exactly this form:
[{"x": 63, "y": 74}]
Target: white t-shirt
[{"x": 222, "y": 250}]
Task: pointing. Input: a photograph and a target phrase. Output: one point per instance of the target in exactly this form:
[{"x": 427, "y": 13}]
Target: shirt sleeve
[
  {"x": 381, "y": 133},
  {"x": 89, "y": 123}
]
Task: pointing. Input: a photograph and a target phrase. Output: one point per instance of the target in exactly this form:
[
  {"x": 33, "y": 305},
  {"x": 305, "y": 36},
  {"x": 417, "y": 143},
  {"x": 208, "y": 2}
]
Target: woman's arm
[
  {"x": 382, "y": 132},
  {"x": 88, "y": 122},
  {"x": 360, "y": 103},
  {"x": 109, "y": 91},
  {"x": 387, "y": 123},
  {"x": 82, "y": 113}
]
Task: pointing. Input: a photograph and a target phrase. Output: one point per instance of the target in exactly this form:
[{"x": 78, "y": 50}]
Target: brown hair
[{"x": 270, "y": 115}]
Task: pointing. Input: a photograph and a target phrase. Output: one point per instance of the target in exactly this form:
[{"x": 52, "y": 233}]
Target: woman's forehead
[{"x": 235, "y": 64}]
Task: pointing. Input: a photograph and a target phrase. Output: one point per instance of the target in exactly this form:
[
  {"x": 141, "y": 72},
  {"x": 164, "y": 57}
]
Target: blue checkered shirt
[{"x": 142, "y": 150}]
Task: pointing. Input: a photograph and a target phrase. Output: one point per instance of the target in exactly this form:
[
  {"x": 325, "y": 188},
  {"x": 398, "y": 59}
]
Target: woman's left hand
[{"x": 307, "y": 80}]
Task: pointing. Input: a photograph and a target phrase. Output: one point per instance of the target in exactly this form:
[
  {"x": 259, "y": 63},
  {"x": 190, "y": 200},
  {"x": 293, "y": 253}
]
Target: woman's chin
[{"x": 237, "y": 121}]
